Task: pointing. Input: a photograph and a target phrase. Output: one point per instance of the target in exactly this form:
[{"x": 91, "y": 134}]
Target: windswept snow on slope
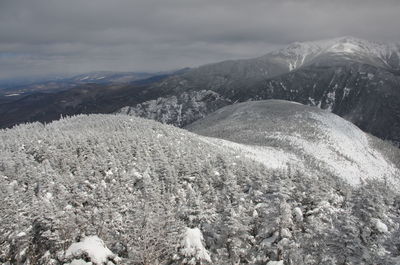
[
  {"x": 93, "y": 247},
  {"x": 380, "y": 226},
  {"x": 300, "y": 53},
  {"x": 344, "y": 150},
  {"x": 275, "y": 262},
  {"x": 341, "y": 149},
  {"x": 192, "y": 246},
  {"x": 345, "y": 47},
  {"x": 290, "y": 137},
  {"x": 345, "y": 139},
  {"x": 272, "y": 158}
]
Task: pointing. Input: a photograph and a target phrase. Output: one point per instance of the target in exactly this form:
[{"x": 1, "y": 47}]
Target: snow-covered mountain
[
  {"x": 282, "y": 184},
  {"x": 354, "y": 78},
  {"x": 228, "y": 76},
  {"x": 353, "y": 49},
  {"x": 283, "y": 134}
]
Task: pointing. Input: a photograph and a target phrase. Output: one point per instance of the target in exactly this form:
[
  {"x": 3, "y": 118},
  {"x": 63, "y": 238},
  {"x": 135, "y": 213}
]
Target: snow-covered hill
[
  {"x": 283, "y": 134},
  {"x": 120, "y": 189}
]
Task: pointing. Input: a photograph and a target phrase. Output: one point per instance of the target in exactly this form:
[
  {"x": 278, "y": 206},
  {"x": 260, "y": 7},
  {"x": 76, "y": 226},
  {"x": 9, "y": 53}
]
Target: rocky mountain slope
[
  {"x": 111, "y": 189},
  {"x": 179, "y": 110},
  {"x": 353, "y": 78}
]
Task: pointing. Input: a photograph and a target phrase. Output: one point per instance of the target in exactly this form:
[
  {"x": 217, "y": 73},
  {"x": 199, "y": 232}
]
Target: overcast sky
[{"x": 70, "y": 36}]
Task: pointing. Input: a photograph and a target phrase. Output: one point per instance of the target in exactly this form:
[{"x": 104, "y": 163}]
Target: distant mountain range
[
  {"x": 356, "y": 79},
  {"x": 89, "y": 93},
  {"x": 23, "y": 86}
]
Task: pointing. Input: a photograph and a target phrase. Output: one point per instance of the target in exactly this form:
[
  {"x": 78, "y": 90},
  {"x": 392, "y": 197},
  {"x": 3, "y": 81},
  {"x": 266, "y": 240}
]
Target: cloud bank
[{"x": 57, "y": 36}]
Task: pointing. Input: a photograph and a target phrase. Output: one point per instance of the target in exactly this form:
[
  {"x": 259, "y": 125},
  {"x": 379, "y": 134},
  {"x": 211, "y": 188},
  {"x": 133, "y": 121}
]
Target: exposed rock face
[{"x": 179, "y": 110}]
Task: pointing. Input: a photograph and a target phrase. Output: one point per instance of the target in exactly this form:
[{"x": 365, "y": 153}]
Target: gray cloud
[{"x": 58, "y": 36}]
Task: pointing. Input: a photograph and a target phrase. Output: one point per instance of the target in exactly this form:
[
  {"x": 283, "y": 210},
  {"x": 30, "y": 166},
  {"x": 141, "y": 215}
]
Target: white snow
[
  {"x": 94, "y": 247},
  {"x": 192, "y": 245},
  {"x": 370, "y": 76},
  {"x": 340, "y": 148},
  {"x": 275, "y": 262},
  {"x": 109, "y": 173},
  {"x": 103, "y": 184},
  {"x": 271, "y": 157},
  {"x": 346, "y": 92},
  {"x": 380, "y": 226},
  {"x": 21, "y": 234},
  {"x": 346, "y": 150},
  {"x": 344, "y": 48},
  {"x": 286, "y": 233},
  {"x": 299, "y": 53},
  {"x": 298, "y": 214},
  {"x": 48, "y": 196},
  {"x": 331, "y": 97},
  {"x": 12, "y": 186}
]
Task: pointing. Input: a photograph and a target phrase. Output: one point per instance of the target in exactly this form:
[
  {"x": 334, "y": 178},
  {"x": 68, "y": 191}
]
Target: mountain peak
[{"x": 299, "y": 53}]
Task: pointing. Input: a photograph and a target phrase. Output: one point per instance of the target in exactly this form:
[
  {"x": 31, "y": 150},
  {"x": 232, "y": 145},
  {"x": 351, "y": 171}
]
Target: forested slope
[{"x": 151, "y": 192}]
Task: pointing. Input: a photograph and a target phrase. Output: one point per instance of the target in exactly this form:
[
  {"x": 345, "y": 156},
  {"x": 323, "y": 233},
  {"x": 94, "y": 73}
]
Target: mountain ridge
[{"x": 360, "y": 88}]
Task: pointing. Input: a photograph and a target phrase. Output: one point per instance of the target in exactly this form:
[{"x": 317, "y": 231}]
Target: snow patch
[
  {"x": 345, "y": 47},
  {"x": 192, "y": 246},
  {"x": 270, "y": 157},
  {"x": 346, "y": 92},
  {"x": 275, "y": 262},
  {"x": 370, "y": 76},
  {"x": 94, "y": 247},
  {"x": 12, "y": 186},
  {"x": 21, "y": 234},
  {"x": 298, "y": 214},
  {"x": 380, "y": 226}
]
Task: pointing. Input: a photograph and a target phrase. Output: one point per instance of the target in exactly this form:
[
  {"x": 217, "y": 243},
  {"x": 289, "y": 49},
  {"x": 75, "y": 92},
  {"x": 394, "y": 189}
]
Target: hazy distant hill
[{"x": 98, "y": 97}]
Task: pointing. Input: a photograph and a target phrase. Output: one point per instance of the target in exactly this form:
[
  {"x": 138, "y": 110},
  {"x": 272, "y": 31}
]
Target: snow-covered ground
[
  {"x": 92, "y": 247},
  {"x": 192, "y": 246},
  {"x": 271, "y": 157}
]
